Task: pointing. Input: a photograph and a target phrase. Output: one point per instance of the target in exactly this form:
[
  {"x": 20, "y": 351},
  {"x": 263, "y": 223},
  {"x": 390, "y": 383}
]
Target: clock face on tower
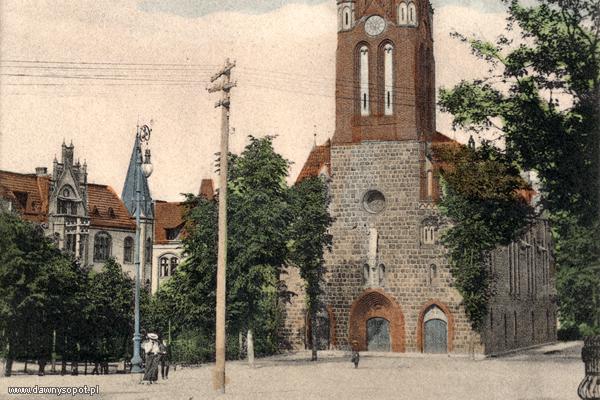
[{"x": 374, "y": 25}]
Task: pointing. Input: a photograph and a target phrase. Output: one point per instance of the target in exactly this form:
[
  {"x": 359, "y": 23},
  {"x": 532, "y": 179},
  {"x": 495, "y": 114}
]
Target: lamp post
[{"x": 142, "y": 136}]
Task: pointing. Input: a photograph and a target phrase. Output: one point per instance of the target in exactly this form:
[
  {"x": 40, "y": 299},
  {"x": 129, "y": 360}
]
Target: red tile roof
[
  {"x": 167, "y": 216},
  {"x": 319, "y": 157},
  {"x": 28, "y": 193},
  {"x": 100, "y": 197}
]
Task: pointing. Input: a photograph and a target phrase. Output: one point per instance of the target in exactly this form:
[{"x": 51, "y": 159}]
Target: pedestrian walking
[
  {"x": 355, "y": 355},
  {"x": 165, "y": 359},
  {"x": 151, "y": 348}
]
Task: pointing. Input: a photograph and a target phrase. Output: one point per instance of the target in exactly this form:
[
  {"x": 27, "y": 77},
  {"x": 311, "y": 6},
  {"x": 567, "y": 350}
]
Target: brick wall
[{"x": 523, "y": 310}]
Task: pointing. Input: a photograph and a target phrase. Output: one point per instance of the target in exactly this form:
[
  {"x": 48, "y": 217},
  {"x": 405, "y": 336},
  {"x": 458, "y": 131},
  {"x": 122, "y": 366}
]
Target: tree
[
  {"x": 543, "y": 97},
  {"x": 309, "y": 238},
  {"x": 110, "y": 312},
  {"x": 38, "y": 288},
  {"x": 258, "y": 226},
  {"x": 485, "y": 200}
]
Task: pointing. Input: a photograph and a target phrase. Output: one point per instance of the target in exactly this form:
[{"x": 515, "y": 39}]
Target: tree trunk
[
  {"x": 313, "y": 335},
  {"x": 241, "y": 345},
  {"x": 250, "y": 342},
  {"x": 25, "y": 367},
  {"x": 8, "y": 366}
]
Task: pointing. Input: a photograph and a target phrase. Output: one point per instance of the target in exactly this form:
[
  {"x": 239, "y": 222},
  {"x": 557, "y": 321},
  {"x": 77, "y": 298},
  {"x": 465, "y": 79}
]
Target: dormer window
[
  {"x": 22, "y": 199},
  {"x": 95, "y": 212},
  {"x": 111, "y": 213}
]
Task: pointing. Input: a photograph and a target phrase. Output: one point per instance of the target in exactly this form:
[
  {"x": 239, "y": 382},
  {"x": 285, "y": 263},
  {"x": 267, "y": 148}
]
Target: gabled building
[
  {"x": 169, "y": 231},
  {"x": 85, "y": 219}
]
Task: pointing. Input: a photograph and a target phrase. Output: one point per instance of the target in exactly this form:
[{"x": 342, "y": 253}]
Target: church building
[{"x": 388, "y": 284}]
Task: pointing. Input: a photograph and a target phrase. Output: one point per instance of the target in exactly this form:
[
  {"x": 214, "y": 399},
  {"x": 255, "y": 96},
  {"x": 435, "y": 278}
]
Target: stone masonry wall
[{"x": 393, "y": 169}]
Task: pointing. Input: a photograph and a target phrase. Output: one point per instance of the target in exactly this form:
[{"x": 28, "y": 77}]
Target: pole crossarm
[{"x": 226, "y": 70}]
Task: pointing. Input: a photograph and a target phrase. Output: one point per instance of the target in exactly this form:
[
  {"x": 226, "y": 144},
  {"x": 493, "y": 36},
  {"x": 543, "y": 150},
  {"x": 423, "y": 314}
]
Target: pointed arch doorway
[{"x": 376, "y": 322}]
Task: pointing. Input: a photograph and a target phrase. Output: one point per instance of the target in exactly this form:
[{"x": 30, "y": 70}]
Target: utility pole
[{"x": 224, "y": 87}]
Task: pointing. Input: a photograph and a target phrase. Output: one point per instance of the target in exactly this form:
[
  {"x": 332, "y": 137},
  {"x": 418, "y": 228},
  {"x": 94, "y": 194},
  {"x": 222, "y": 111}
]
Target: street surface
[{"x": 547, "y": 373}]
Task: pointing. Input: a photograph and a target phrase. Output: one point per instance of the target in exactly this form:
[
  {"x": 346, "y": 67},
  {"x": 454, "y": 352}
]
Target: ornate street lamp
[{"x": 142, "y": 136}]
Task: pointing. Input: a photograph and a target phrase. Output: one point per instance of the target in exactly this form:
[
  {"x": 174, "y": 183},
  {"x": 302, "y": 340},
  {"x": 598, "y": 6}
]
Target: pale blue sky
[{"x": 198, "y": 8}]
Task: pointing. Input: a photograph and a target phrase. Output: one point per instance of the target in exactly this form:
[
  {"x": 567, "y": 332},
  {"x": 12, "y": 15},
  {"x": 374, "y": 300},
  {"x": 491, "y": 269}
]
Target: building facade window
[
  {"x": 402, "y": 14},
  {"x": 148, "y": 251},
  {"x": 164, "y": 266},
  {"x": 412, "y": 14},
  {"x": 102, "y": 246},
  {"x": 428, "y": 234},
  {"x": 70, "y": 243},
  {"x": 346, "y": 17},
  {"x": 168, "y": 265},
  {"x": 364, "y": 80},
  {"x": 174, "y": 264},
  {"x": 388, "y": 77},
  {"x": 128, "y": 250}
]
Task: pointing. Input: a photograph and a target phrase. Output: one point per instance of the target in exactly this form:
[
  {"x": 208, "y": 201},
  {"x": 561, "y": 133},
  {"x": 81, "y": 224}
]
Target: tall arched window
[
  {"x": 102, "y": 246},
  {"x": 148, "y": 250},
  {"x": 402, "y": 14},
  {"x": 346, "y": 18},
  {"x": 412, "y": 14},
  {"x": 388, "y": 77},
  {"x": 366, "y": 273},
  {"x": 364, "y": 80},
  {"x": 429, "y": 184},
  {"x": 128, "y": 250}
]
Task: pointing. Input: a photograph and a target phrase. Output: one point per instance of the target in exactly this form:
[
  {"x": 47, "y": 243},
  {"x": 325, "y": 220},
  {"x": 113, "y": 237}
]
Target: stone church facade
[{"x": 388, "y": 285}]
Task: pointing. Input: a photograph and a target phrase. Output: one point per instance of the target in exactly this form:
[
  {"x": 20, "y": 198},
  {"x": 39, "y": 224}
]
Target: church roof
[
  {"x": 319, "y": 157},
  {"x": 30, "y": 195},
  {"x": 129, "y": 188}
]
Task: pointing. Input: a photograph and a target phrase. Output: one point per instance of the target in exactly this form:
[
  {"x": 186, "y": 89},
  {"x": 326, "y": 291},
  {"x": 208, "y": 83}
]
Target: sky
[{"x": 149, "y": 61}]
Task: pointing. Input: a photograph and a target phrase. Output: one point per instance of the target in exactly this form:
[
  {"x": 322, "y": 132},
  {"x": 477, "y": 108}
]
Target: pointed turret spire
[{"x": 129, "y": 188}]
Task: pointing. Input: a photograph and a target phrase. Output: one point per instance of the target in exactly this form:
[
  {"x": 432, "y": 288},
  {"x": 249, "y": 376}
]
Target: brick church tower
[{"x": 388, "y": 284}]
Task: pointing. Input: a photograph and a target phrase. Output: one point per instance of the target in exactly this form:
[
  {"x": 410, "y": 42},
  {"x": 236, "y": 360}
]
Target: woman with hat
[{"x": 152, "y": 349}]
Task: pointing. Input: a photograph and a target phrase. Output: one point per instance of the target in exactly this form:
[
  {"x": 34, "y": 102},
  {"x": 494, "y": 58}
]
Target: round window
[{"x": 374, "y": 201}]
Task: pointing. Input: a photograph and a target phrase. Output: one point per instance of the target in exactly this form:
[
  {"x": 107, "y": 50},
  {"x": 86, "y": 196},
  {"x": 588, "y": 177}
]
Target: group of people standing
[{"x": 156, "y": 353}]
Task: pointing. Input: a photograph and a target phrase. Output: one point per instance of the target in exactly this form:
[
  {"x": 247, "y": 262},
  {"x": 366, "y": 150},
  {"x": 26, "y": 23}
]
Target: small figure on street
[
  {"x": 152, "y": 350},
  {"x": 355, "y": 356},
  {"x": 165, "y": 359}
]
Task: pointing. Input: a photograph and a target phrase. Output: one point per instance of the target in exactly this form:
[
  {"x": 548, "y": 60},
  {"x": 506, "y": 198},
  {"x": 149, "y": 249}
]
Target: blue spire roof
[{"x": 129, "y": 188}]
